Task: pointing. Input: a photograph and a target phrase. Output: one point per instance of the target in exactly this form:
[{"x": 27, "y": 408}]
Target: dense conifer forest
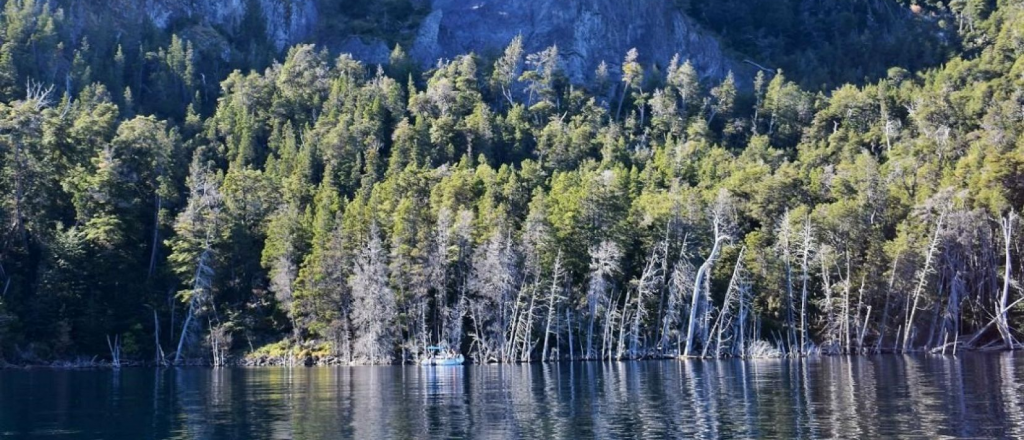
[{"x": 166, "y": 200}]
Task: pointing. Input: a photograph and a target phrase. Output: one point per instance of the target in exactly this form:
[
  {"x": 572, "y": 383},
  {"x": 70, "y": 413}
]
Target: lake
[{"x": 973, "y": 395}]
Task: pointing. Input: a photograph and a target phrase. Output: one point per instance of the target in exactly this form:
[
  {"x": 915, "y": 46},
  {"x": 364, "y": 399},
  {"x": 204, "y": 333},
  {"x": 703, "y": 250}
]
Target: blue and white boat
[{"x": 440, "y": 356}]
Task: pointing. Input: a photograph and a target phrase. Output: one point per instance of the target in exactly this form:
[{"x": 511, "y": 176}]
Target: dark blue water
[{"x": 974, "y": 395}]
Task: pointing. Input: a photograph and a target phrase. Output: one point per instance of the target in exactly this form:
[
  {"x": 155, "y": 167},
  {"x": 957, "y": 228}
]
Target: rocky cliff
[
  {"x": 586, "y": 31},
  {"x": 287, "y": 21}
]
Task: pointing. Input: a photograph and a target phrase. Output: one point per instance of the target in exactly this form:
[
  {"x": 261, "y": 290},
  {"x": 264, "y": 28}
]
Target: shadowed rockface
[
  {"x": 287, "y": 21},
  {"x": 587, "y": 32}
]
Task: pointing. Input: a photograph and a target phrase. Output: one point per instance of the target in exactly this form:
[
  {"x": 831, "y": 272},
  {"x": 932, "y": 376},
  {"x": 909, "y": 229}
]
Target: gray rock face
[
  {"x": 288, "y": 21},
  {"x": 586, "y": 32},
  {"x": 371, "y": 52}
]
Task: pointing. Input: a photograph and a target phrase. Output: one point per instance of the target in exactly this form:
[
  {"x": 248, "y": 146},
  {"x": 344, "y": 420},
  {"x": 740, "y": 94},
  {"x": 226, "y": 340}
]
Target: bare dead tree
[
  {"x": 519, "y": 335},
  {"x": 923, "y": 274},
  {"x": 806, "y": 251},
  {"x": 883, "y": 330},
  {"x": 554, "y": 297},
  {"x": 374, "y": 307},
  {"x": 200, "y": 218},
  {"x": 730, "y": 308},
  {"x": 220, "y": 343},
  {"x": 38, "y": 94},
  {"x": 680, "y": 283},
  {"x": 604, "y": 264},
  {"x": 115, "y": 351},
  {"x": 1003, "y": 323},
  {"x": 784, "y": 244},
  {"x": 832, "y": 328},
  {"x": 847, "y": 285},
  {"x": 651, "y": 281},
  {"x": 526, "y": 338},
  {"x": 198, "y": 297},
  {"x": 721, "y": 215},
  {"x": 492, "y": 281},
  {"x": 612, "y": 316},
  {"x": 158, "y": 358}
]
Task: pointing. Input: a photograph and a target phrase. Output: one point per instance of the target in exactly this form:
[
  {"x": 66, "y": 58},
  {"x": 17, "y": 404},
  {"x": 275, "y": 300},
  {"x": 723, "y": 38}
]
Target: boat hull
[{"x": 442, "y": 362}]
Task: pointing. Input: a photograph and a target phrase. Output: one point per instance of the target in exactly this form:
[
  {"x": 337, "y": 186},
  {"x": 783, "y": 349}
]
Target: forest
[{"x": 161, "y": 204}]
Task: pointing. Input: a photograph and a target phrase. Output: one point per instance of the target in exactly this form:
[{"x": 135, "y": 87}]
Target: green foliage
[{"x": 359, "y": 213}]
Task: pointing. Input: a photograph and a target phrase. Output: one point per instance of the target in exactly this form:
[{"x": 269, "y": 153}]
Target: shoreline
[{"x": 94, "y": 364}]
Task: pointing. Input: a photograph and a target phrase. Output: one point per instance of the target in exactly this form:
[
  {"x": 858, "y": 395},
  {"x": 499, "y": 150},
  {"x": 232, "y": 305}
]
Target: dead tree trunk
[
  {"x": 621, "y": 347},
  {"x": 1003, "y": 323},
  {"x": 156, "y": 236},
  {"x": 720, "y": 220},
  {"x": 805, "y": 256},
  {"x": 785, "y": 239},
  {"x": 115, "y": 351},
  {"x": 200, "y": 291},
  {"x": 612, "y": 313},
  {"x": 725, "y": 315},
  {"x": 159, "y": 356},
  {"x": 698, "y": 284},
  {"x": 649, "y": 282},
  {"x": 514, "y": 323},
  {"x": 568, "y": 331},
  {"x": 933, "y": 246},
  {"x": 888, "y": 300},
  {"x": 603, "y": 265},
  {"x": 846, "y": 305},
  {"x": 553, "y": 296},
  {"x": 526, "y": 330}
]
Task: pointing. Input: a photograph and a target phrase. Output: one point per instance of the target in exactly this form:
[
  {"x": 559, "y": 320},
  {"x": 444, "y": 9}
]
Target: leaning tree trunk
[
  {"x": 908, "y": 326},
  {"x": 697, "y": 285},
  {"x": 725, "y": 316},
  {"x": 200, "y": 287}
]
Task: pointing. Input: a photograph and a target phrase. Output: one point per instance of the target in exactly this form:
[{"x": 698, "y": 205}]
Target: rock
[
  {"x": 370, "y": 52},
  {"x": 586, "y": 32},
  {"x": 287, "y": 21}
]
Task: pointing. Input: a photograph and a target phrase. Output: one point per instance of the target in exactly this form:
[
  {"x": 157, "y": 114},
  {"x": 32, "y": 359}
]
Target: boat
[{"x": 440, "y": 356}]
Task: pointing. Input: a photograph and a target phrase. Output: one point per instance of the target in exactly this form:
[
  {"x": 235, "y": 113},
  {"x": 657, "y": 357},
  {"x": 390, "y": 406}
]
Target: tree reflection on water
[{"x": 973, "y": 395}]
